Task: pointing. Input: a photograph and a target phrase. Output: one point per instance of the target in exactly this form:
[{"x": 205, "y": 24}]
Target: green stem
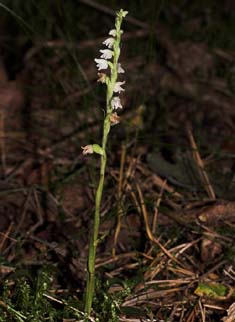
[{"x": 94, "y": 239}]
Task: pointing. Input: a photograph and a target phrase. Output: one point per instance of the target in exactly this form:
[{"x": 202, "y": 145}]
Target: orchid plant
[{"x": 109, "y": 60}]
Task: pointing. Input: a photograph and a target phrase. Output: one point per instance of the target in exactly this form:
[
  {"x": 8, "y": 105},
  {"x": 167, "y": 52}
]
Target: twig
[
  {"x": 161, "y": 183},
  {"x": 2, "y": 144},
  {"x": 148, "y": 230},
  {"x": 6, "y": 236},
  {"x": 112, "y": 12},
  {"x": 159, "y": 199},
  {"x": 84, "y": 44},
  {"x": 120, "y": 201},
  {"x": 202, "y": 310},
  {"x": 200, "y": 165}
]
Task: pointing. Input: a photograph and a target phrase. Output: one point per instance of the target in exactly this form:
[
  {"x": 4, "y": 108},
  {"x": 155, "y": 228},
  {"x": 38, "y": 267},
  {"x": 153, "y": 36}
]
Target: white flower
[
  {"x": 120, "y": 69},
  {"x": 109, "y": 42},
  {"x": 118, "y": 88},
  {"x": 88, "y": 149},
  {"x": 116, "y": 103},
  {"x": 113, "y": 33},
  {"x": 101, "y": 63},
  {"x": 106, "y": 53}
]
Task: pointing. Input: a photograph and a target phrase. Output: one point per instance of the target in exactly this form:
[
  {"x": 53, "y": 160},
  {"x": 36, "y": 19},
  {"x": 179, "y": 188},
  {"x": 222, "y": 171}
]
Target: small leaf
[
  {"x": 213, "y": 290},
  {"x": 97, "y": 149}
]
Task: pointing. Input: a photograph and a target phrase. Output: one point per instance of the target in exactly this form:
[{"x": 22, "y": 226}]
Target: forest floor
[{"x": 166, "y": 250}]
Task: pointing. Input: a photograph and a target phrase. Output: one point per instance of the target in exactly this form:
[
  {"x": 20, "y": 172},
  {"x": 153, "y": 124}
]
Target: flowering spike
[{"x": 109, "y": 60}]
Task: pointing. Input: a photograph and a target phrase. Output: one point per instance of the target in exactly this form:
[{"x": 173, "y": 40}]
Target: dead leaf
[
  {"x": 231, "y": 314},
  {"x": 210, "y": 249}
]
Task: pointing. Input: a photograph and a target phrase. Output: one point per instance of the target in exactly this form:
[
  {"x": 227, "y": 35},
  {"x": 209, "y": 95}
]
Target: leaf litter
[{"x": 168, "y": 215}]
